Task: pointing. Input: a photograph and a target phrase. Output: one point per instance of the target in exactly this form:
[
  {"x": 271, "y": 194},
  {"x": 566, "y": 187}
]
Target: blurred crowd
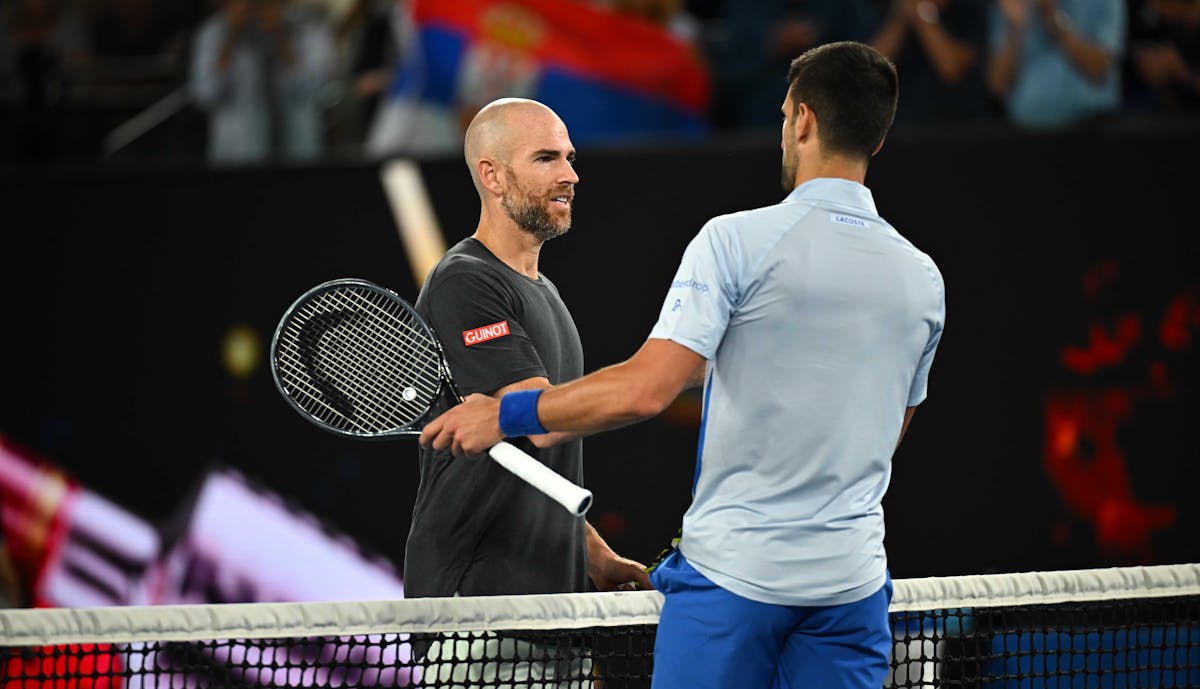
[{"x": 250, "y": 80}]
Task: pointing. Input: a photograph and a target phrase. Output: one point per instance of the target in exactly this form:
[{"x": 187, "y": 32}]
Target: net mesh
[{"x": 1120, "y": 627}]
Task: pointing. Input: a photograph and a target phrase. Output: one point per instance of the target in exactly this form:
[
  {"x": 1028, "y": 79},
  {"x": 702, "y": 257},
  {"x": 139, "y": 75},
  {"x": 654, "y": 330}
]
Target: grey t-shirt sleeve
[{"x": 476, "y": 320}]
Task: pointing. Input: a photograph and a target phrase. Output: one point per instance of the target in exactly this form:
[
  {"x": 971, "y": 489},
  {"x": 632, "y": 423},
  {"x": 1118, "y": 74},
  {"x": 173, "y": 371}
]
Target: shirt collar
[{"x": 841, "y": 192}]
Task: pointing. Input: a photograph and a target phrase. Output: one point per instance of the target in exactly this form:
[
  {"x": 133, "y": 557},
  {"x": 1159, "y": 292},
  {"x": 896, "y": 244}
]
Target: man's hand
[
  {"x": 470, "y": 428},
  {"x": 611, "y": 572},
  {"x": 1015, "y": 11}
]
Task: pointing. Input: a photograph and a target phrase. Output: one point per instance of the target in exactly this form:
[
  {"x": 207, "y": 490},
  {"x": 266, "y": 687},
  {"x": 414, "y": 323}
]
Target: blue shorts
[{"x": 709, "y": 637}]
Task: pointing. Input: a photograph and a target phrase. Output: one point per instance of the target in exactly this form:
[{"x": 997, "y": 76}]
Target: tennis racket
[{"x": 355, "y": 359}]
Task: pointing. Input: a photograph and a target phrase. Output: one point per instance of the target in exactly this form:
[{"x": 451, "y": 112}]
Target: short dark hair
[{"x": 853, "y": 89}]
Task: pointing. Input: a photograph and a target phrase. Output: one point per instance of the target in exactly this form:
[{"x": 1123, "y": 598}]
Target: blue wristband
[{"x": 518, "y": 414}]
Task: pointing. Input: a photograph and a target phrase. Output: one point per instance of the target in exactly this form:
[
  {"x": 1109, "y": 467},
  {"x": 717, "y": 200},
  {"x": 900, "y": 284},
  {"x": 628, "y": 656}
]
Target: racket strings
[
  {"x": 420, "y": 359},
  {"x": 360, "y": 359},
  {"x": 329, "y": 406},
  {"x": 334, "y": 395},
  {"x": 362, "y": 383},
  {"x": 348, "y": 355},
  {"x": 338, "y": 350},
  {"x": 414, "y": 340}
]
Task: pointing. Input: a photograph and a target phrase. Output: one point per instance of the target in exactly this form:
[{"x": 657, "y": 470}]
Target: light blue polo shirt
[{"x": 819, "y": 323}]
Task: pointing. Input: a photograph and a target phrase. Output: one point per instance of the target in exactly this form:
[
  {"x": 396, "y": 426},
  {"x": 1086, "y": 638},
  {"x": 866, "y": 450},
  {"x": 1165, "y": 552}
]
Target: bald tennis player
[
  {"x": 477, "y": 530},
  {"x": 818, "y": 323}
]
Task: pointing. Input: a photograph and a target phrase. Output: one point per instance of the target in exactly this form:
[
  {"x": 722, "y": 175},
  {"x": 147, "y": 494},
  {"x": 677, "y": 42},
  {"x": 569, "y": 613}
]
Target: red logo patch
[{"x": 485, "y": 333}]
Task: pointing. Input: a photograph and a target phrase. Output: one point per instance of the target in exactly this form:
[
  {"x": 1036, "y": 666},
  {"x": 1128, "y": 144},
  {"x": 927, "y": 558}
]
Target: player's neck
[
  {"x": 518, "y": 250},
  {"x": 835, "y": 167}
]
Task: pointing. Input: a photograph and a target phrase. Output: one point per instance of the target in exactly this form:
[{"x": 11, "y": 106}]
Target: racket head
[{"x": 356, "y": 359}]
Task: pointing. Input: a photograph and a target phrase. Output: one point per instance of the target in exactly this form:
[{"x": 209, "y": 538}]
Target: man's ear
[
  {"x": 879, "y": 147},
  {"x": 806, "y": 122},
  {"x": 491, "y": 175}
]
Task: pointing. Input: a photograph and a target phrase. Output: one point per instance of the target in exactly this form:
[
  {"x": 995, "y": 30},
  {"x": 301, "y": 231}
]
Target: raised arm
[
  {"x": 1092, "y": 58},
  {"x": 952, "y": 58},
  {"x": 1004, "y": 60}
]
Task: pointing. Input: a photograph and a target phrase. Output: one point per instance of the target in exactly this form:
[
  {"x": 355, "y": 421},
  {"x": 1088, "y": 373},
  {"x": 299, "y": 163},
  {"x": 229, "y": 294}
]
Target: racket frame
[
  {"x": 573, "y": 498},
  {"x": 446, "y": 382}
]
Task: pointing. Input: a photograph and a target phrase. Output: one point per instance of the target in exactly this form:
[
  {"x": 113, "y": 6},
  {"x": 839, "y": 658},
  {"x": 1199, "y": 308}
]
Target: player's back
[{"x": 830, "y": 314}]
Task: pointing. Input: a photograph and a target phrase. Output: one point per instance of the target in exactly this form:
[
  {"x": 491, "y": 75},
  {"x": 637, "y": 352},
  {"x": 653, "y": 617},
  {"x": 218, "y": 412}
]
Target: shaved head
[{"x": 501, "y": 127}]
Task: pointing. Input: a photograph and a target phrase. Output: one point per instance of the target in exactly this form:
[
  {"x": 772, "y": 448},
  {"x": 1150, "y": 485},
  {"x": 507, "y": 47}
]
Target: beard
[
  {"x": 787, "y": 175},
  {"x": 530, "y": 214}
]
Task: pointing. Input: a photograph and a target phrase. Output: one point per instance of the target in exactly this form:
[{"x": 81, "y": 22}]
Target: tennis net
[{"x": 1103, "y": 628}]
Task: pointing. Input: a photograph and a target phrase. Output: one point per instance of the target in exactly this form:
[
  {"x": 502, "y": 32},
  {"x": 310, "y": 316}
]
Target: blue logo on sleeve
[
  {"x": 678, "y": 305},
  {"x": 700, "y": 287}
]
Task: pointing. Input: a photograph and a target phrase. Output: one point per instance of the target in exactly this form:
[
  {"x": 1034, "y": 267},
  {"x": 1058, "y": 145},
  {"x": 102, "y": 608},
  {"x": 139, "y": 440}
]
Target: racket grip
[{"x": 574, "y": 498}]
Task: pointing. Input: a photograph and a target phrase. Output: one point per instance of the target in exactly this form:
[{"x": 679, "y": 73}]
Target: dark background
[{"x": 119, "y": 284}]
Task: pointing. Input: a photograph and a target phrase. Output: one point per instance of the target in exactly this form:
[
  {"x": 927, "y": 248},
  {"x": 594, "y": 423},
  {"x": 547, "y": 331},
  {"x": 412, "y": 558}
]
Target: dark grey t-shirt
[{"x": 477, "y": 530}]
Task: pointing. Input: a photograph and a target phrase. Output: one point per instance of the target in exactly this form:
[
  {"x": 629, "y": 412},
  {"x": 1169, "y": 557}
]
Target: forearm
[
  {"x": 890, "y": 38},
  {"x": 597, "y": 548},
  {"x": 1183, "y": 11},
  {"x": 551, "y": 439},
  {"x": 1091, "y": 59},
  {"x": 1003, "y": 66},
  {"x": 610, "y": 398},
  {"x": 952, "y": 59}
]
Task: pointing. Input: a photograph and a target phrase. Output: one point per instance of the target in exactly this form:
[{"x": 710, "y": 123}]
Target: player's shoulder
[
  {"x": 752, "y": 231},
  {"x": 908, "y": 246},
  {"x": 763, "y": 221},
  {"x": 921, "y": 260},
  {"x": 467, "y": 261},
  {"x": 761, "y": 216}
]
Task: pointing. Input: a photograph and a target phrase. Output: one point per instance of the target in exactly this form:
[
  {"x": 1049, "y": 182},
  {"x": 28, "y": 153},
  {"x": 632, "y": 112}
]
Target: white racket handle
[{"x": 577, "y": 500}]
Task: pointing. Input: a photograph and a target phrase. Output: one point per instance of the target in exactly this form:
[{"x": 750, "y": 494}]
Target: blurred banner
[
  {"x": 608, "y": 75},
  {"x": 242, "y": 543},
  {"x": 230, "y": 542},
  {"x": 71, "y": 547}
]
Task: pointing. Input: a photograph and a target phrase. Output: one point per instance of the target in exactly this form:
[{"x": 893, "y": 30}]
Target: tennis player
[
  {"x": 818, "y": 322},
  {"x": 477, "y": 530}
]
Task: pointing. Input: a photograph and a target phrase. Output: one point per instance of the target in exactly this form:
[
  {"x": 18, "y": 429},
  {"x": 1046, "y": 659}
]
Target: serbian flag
[{"x": 608, "y": 76}]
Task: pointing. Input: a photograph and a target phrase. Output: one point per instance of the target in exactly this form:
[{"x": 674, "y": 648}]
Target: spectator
[
  {"x": 938, "y": 49},
  {"x": 259, "y": 68},
  {"x": 375, "y": 52},
  {"x": 366, "y": 52},
  {"x": 1164, "y": 60},
  {"x": 1056, "y": 62},
  {"x": 762, "y": 38}
]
